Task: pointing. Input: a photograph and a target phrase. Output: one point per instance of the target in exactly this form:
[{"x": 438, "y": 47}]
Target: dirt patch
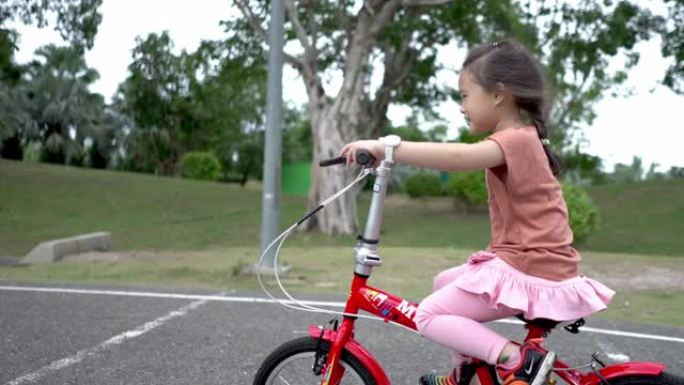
[
  {"x": 114, "y": 256},
  {"x": 635, "y": 276}
]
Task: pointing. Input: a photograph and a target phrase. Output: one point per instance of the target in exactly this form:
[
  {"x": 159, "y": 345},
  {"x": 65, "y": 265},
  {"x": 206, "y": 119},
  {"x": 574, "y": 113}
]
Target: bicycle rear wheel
[
  {"x": 292, "y": 363},
  {"x": 663, "y": 379}
]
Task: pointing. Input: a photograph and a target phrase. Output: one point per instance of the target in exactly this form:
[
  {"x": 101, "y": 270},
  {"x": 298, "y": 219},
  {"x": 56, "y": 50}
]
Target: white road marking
[
  {"x": 611, "y": 352},
  {"x": 618, "y": 357},
  {"x": 218, "y": 298},
  {"x": 116, "y": 340},
  {"x": 620, "y": 333}
]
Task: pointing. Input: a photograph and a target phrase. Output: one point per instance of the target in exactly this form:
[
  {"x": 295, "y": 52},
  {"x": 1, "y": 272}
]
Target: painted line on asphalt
[
  {"x": 145, "y": 294},
  {"x": 219, "y": 298},
  {"x": 619, "y": 333},
  {"x": 116, "y": 340},
  {"x": 611, "y": 352}
]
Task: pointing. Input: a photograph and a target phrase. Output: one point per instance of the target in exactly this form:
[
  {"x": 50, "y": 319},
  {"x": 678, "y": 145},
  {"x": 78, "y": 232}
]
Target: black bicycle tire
[
  {"x": 663, "y": 379},
  {"x": 302, "y": 345}
]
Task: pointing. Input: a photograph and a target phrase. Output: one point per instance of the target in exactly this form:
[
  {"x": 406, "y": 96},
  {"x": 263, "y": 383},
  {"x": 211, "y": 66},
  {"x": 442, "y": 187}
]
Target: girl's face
[{"x": 477, "y": 105}]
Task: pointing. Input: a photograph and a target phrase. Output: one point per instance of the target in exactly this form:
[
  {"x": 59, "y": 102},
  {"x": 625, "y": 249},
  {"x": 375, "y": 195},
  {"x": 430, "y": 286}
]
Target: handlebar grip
[
  {"x": 363, "y": 158},
  {"x": 332, "y": 161}
]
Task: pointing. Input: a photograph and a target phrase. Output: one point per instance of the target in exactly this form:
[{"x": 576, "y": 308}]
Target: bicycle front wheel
[{"x": 293, "y": 362}]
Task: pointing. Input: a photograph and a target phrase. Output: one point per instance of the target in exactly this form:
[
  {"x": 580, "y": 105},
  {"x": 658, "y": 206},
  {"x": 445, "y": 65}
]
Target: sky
[{"x": 646, "y": 124}]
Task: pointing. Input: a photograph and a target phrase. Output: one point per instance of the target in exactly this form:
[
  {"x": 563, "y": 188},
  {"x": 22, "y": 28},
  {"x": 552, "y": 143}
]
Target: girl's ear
[{"x": 499, "y": 94}]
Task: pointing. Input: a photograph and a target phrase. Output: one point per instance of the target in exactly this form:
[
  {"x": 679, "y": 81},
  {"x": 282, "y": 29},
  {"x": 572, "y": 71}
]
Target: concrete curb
[{"x": 54, "y": 250}]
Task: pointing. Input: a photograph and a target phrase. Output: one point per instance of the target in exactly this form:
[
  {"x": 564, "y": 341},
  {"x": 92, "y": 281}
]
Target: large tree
[
  {"x": 77, "y": 22},
  {"x": 150, "y": 96},
  {"x": 673, "y": 45},
  {"x": 399, "y": 40},
  {"x": 210, "y": 99},
  {"x": 63, "y": 112},
  {"x": 13, "y": 119}
]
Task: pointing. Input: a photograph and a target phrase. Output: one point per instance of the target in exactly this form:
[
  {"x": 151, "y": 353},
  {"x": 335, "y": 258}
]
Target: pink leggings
[{"x": 452, "y": 317}]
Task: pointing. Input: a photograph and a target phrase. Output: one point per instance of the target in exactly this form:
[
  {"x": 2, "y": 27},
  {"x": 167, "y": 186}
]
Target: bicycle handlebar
[
  {"x": 332, "y": 161},
  {"x": 363, "y": 158}
]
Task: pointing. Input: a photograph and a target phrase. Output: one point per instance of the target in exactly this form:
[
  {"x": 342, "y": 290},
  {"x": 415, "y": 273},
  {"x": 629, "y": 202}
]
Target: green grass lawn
[
  {"x": 39, "y": 202},
  {"x": 642, "y": 218}
]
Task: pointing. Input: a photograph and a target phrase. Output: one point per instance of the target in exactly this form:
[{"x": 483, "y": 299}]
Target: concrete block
[
  {"x": 94, "y": 241},
  {"x": 54, "y": 250},
  {"x": 63, "y": 247},
  {"x": 42, "y": 253}
]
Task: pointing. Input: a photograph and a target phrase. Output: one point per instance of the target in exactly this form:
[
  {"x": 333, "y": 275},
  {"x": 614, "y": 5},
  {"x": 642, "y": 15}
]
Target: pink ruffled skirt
[{"x": 500, "y": 284}]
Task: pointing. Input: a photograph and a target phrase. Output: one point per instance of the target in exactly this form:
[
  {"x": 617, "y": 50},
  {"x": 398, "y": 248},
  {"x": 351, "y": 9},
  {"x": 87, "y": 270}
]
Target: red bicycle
[{"x": 332, "y": 355}]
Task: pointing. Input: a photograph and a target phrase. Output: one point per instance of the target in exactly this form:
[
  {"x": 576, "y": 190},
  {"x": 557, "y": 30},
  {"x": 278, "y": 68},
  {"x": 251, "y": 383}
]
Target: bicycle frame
[
  {"x": 399, "y": 311},
  {"x": 362, "y": 297}
]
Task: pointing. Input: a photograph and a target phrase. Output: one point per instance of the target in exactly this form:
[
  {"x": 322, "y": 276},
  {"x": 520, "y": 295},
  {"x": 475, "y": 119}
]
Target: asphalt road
[{"x": 62, "y": 337}]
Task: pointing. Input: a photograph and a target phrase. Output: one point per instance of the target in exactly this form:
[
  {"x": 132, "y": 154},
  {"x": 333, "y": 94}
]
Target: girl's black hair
[{"x": 507, "y": 62}]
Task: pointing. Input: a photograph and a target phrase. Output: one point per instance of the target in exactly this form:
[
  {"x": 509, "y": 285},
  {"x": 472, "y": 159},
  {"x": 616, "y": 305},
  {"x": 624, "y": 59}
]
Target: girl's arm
[{"x": 438, "y": 156}]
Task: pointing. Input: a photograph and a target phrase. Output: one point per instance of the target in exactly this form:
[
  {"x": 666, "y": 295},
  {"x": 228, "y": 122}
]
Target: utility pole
[{"x": 270, "y": 207}]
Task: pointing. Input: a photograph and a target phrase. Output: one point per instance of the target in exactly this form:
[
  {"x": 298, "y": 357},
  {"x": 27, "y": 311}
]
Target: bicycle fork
[{"x": 332, "y": 370}]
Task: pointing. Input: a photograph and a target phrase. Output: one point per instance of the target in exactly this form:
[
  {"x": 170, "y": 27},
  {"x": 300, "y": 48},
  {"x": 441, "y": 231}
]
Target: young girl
[{"x": 530, "y": 267}]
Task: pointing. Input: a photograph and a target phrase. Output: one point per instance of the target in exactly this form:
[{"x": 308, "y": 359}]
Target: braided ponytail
[{"x": 539, "y": 120}]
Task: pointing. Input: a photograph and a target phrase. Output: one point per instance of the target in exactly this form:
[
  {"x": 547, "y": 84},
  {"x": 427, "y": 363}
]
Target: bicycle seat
[
  {"x": 544, "y": 323},
  {"x": 548, "y": 324}
]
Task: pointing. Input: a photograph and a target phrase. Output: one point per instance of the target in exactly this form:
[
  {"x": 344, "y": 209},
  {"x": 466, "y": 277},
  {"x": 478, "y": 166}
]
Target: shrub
[
  {"x": 200, "y": 165},
  {"x": 469, "y": 188},
  {"x": 583, "y": 213},
  {"x": 422, "y": 184}
]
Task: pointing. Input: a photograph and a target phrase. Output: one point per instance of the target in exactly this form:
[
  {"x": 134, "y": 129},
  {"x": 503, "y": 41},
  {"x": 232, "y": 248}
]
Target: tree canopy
[{"x": 76, "y": 20}]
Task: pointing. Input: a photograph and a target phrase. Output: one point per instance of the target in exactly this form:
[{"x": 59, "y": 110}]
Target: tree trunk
[
  {"x": 348, "y": 116},
  {"x": 333, "y": 126}
]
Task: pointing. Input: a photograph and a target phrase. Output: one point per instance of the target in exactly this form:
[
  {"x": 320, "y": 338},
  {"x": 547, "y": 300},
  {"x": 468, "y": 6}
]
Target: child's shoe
[
  {"x": 534, "y": 367},
  {"x": 437, "y": 379}
]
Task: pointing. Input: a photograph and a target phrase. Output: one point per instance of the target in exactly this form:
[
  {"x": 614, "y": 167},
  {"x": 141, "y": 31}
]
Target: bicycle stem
[{"x": 366, "y": 250}]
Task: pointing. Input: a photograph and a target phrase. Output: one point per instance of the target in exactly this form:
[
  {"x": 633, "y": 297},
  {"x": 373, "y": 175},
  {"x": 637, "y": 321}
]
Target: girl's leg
[
  {"x": 452, "y": 317},
  {"x": 446, "y": 277},
  {"x": 442, "y": 279}
]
